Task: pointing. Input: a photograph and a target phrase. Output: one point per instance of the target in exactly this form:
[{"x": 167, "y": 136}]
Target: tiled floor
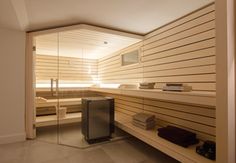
[
  {"x": 71, "y": 135},
  {"x": 123, "y": 151}
]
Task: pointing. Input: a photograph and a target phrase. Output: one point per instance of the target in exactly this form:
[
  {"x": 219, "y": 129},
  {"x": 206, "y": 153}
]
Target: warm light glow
[
  {"x": 63, "y": 85},
  {"x": 43, "y": 85},
  {"x": 109, "y": 85},
  {"x": 95, "y": 79},
  {"x": 74, "y": 85}
]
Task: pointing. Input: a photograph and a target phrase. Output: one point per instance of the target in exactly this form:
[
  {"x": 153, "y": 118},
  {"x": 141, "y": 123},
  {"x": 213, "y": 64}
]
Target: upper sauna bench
[{"x": 193, "y": 97}]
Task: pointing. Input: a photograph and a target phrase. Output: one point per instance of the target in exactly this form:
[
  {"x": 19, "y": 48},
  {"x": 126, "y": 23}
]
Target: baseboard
[{"x": 5, "y": 139}]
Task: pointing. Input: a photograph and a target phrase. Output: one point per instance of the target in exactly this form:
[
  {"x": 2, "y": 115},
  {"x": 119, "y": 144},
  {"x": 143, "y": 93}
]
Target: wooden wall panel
[
  {"x": 72, "y": 69},
  {"x": 199, "y": 119},
  {"x": 182, "y": 51},
  {"x": 111, "y": 71}
]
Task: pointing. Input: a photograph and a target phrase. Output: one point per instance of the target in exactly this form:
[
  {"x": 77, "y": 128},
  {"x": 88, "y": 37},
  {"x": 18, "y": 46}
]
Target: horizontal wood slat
[
  {"x": 152, "y": 66},
  {"x": 185, "y": 34},
  {"x": 183, "y": 42},
  {"x": 183, "y": 79},
  {"x": 111, "y": 71},
  {"x": 199, "y": 119},
  {"x": 65, "y": 68},
  {"x": 182, "y": 51},
  {"x": 194, "y": 23},
  {"x": 183, "y": 71}
]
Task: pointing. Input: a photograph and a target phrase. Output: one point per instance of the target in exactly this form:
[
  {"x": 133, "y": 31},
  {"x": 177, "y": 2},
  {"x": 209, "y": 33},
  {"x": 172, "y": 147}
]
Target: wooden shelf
[
  {"x": 51, "y": 120},
  {"x": 193, "y": 97},
  {"x": 185, "y": 155}
]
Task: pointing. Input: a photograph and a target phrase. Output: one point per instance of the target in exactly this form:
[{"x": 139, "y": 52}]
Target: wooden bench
[
  {"x": 185, "y": 155},
  {"x": 51, "y": 120}
]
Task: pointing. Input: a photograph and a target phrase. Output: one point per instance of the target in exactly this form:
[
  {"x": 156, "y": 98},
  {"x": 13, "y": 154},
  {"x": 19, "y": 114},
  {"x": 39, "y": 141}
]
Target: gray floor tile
[
  {"x": 129, "y": 150},
  {"x": 91, "y": 156}
]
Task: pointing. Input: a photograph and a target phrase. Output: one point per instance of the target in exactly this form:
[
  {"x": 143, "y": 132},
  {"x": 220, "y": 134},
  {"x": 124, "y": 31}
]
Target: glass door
[
  {"x": 46, "y": 75},
  {"x": 66, "y": 66},
  {"x": 64, "y": 72},
  {"x": 76, "y": 73}
]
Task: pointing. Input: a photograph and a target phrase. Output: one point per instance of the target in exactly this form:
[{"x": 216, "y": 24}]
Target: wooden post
[
  {"x": 29, "y": 92},
  {"x": 225, "y": 81}
]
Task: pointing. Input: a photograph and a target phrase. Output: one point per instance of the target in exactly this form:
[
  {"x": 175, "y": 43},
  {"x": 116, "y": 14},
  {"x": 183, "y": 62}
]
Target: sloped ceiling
[
  {"x": 83, "y": 43},
  {"x": 136, "y": 16}
]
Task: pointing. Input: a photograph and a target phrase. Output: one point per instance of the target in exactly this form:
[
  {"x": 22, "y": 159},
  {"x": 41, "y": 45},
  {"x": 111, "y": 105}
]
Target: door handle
[
  {"x": 52, "y": 89},
  {"x": 57, "y": 88},
  {"x": 52, "y": 86}
]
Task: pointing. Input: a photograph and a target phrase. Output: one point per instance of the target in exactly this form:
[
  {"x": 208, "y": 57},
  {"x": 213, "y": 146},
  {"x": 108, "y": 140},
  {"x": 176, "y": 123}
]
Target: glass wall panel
[{"x": 46, "y": 74}]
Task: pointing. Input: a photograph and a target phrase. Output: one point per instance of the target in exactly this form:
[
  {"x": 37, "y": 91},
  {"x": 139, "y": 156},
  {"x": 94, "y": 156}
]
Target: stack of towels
[
  {"x": 178, "y": 136},
  {"x": 144, "y": 121}
]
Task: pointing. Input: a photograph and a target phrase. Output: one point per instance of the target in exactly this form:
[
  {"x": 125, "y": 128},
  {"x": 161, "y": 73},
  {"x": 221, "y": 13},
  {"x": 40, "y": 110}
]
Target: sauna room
[{"x": 167, "y": 78}]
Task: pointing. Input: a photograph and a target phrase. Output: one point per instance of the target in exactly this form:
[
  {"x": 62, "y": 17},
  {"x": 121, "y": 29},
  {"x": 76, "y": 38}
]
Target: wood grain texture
[
  {"x": 182, "y": 51},
  {"x": 196, "y": 118},
  {"x": 66, "y": 68}
]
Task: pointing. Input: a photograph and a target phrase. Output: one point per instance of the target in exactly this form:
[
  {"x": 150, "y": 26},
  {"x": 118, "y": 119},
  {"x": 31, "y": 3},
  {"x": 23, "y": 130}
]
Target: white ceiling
[
  {"x": 8, "y": 17},
  {"x": 136, "y": 16},
  {"x": 85, "y": 42}
]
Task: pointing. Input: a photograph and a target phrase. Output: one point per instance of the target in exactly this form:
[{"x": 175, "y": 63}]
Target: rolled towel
[{"x": 143, "y": 117}]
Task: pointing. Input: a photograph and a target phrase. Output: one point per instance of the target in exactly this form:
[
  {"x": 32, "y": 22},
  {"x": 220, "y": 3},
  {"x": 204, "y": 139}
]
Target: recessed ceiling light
[{"x": 105, "y": 42}]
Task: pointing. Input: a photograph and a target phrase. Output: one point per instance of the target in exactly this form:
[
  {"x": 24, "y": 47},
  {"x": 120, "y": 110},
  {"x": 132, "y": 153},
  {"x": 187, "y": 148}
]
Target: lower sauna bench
[
  {"x": 51, "y": 120},
  {"x": 184, "y": 155}
]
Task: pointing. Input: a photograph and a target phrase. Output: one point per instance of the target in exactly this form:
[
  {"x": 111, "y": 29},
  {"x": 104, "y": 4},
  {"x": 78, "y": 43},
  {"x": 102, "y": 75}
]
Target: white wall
[{"x": 12, "y": 86}]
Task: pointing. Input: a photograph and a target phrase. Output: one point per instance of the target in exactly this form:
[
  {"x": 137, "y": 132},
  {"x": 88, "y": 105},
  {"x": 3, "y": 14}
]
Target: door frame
[
  {"x": 29, "y": 88},
  {"x": 225, "y": 80}
]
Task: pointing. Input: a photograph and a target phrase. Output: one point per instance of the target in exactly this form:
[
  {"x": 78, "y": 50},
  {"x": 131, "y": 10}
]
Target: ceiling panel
[
  {"x": 82, "y": 43},
  {"x": 133, "y": 16}
]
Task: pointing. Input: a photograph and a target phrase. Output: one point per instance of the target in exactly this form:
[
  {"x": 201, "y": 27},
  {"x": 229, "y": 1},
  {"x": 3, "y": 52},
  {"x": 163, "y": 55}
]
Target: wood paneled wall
[
  {"x": 70, "y": 69},
  {"x": 111, "y": 71},
  {"x": 182, "y": 51},
  {"x": 199, "y": 119}
]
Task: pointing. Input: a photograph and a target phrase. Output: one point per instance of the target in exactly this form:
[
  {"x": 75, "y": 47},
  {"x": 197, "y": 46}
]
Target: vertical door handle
[
  {"x": 52, "y": 89},
  {"x": 52, "y": 86},
  {"x": 57, "y": 87}
]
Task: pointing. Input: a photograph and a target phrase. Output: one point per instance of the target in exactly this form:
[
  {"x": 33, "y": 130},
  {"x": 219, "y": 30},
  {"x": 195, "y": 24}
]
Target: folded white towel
[{"x": 143, "y": 117}]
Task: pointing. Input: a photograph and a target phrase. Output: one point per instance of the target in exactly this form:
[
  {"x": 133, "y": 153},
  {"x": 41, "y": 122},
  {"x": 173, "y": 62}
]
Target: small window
[{"x": 130, "y": 58}]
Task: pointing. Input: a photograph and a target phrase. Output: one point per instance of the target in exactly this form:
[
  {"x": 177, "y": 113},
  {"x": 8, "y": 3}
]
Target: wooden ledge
[{"x": 193, "y": 97}]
